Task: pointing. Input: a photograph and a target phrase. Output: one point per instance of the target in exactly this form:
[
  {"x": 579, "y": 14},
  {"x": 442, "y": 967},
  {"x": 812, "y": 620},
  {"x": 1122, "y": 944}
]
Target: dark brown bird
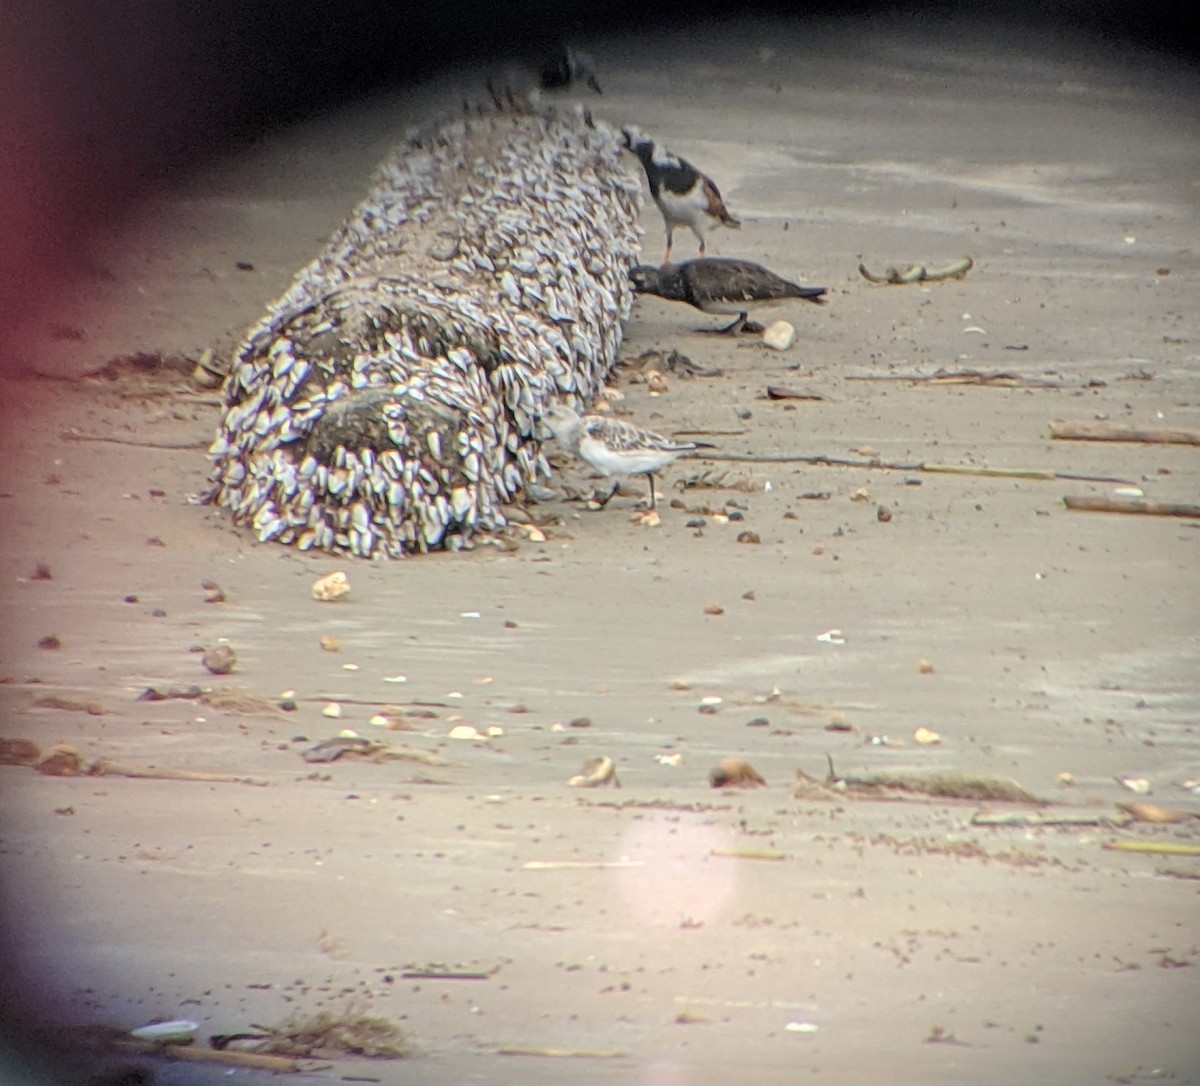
[
  {"x": 720, "y": 285},
  {"x": 684, "y": 195}
]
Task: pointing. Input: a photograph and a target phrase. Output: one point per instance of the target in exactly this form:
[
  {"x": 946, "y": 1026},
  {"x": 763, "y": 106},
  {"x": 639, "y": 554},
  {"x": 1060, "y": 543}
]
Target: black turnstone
[
  {"x": 684, "y": 195},
  {"x": 613, "y": 447},
  {"x": 720, "y": 285}
]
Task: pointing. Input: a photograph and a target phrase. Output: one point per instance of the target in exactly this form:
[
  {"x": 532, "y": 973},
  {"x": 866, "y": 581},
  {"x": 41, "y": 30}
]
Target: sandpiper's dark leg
[
  {"x": 667, "y": 254},
  {"x": 751, "y": 326},
  {"x": 650, "y": 480},
  {"x": 605, "y": 501}
]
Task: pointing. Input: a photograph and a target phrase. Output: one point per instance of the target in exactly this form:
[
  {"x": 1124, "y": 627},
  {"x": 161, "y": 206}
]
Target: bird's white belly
[{"x": 620, "y": 462}]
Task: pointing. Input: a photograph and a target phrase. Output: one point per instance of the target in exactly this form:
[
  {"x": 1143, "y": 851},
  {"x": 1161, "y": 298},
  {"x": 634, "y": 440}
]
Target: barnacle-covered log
[{"x": 386, "y": 402}]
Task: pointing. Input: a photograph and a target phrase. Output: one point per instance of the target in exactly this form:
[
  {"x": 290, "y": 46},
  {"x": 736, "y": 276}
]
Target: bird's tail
[
  {"x": 729, "y": 220},
  {"x": 812, "y": 294}
]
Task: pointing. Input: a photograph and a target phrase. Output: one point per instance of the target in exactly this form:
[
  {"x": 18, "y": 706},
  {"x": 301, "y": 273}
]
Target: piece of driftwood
[
  {"x": 1158, "y": 848},
  {"x": 577, "y": 865},
  {"x": 1051, "y": 818},
  {"x": 209, "y": 1055},
  {"x": 103, "y": 767},
  {"x": 823, "y": 460},
  {"x": 749, "y": 853},
  {"x": 1103, "y": 430},
  {"x": 1090, "y": 504},
  {"x": 136, "y": 442},
  {"x": 561, "y": 1053}
]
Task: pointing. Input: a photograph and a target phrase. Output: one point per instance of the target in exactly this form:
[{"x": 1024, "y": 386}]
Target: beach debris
[
  {"x": 1135, "y": 784},
  {"x": 748, "y": 853},
  {"x": 466, "y": 731},
  {"x": 734, "y": 772},
  {"x": 50, "y": 641},
  {"x": 1095, "y": 504},
  {"x": 595, "y": 772},
  {"x": 41, "y": 572},
  {"x": 926, "y": 737},
  {"x": 883, "y": 514},
  {"x": 104, "y": 767},
  {"x": 558, "y": 1052},
  {"x": 168, "y": 693},
  {"x": 178, "y": 1032},
  {"x": 924, "y": 667},
  {"x": 833, "y": 637},
  {"x": 1104, "y": 430},
  {"x": 860, "y": 494},
  {"x": 674, "y": 758},
  {"x": 1065, "y": 779},
  {"x": 919, "y": 273},
  {"x": 446, "y": 971},
  {"x": 220, "y": 659},
  {"x": 749, "y": 537},
  {"x": 679, "y": 684},
  {"x": 656, "y": 382},
  {"x": 332, "y": 710},
  {"x": 330, "y": 750},
  {"x": 213, "y": 593},
  {"x": 779, "y": 336},
  {"x": 329, "y": 643},
  {"x": 713, "y": 609},
  {"x": 579, "y": 865},
  {"x": 801, "y": 1027},
  {"x": 1050, "y": 818},
  {"x": 1163, "y": 848},
  {"x": 900, "y": 784},
  {"x": 69, "y": 705},
  {"x": 61, "y": 760},
  {"x": 333, "y": 586},
  {"x": 328, "y": 1034},
  {"x": 1151, "y": 812},
  {"x": 17, "y": 751}
]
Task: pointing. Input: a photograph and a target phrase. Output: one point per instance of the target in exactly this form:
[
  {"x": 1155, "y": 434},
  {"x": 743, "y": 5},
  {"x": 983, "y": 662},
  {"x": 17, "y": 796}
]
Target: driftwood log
[
  {"x": 386, "y": 403},
  {"x": 1101, "y": 430}
]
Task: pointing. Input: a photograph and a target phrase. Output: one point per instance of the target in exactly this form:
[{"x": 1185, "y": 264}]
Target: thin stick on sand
[
  {"x": 136, "y": 442},
  {"x": 823, "y": 460},
  {"x": 1089, "y": 504},
  {"x": 1158, "y": 848},
  {"x": 1115, "y": 431},
  {"x": 105, "y": 768},
  {"x": 209, "y": 1055}
]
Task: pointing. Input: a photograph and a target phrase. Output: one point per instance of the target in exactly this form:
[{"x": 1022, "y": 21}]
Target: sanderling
[
  {"x": 684, "y": 195},
  {"x": 612, "y": 447},
  {"x": 719, "y": 285},
  {"x": 519, "y": 85}
]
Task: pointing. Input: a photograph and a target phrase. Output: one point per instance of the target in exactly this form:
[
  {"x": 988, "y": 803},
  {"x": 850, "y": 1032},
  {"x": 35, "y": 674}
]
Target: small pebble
[
  {"x": 779, "y": 336},
  {"x": 220, "y": 659}
]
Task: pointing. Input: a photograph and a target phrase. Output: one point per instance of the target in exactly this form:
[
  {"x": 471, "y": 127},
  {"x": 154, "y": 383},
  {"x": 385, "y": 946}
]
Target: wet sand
[{"x": 896, "y": 939}]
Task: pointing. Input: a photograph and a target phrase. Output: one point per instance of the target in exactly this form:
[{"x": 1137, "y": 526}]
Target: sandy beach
[{"x": 795, "y": 614}]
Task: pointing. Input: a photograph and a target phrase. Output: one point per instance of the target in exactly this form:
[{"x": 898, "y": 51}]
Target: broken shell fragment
[
  {"x": 713, "y": 609},
  {"x": 926, "y": 737},
  {"x": 465, "y": 731},
  {"x": 779, "y": 336},
  {"x": 1135, "y": 784},
  {"x": 332, "y": 709},
  {"x": 924, "y": 667},
  {"x": 596, "y": 772},
  {"x": 333, "y": 586},
  {"x": 220, "y": 659},
  {"x": 734, "y": 772},
  {"x": 329, "y": 643}
]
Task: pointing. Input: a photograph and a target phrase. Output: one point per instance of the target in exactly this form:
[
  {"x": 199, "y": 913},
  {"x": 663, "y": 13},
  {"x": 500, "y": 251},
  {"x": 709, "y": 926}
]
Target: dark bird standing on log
[
  {"x": 719, "y": 285},
  {"x": 684, "y": 195}
]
